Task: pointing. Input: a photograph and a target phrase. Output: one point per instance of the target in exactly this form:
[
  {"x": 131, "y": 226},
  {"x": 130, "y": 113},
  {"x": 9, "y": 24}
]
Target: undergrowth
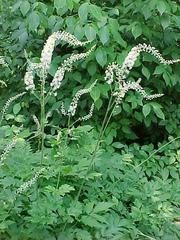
[{"x": 78, "y": 183}]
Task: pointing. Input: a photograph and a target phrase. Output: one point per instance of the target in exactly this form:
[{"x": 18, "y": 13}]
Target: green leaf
[
  {"x": 157, "y": 109},
  {"x": 114, "y": 11},
  {"x": 146, "y": 109},
  {"x": 104, "y": 35},
  {"x": 102, "y": 207},
  {"x": 9, "y": 116},
  {"x": 167, "y": 78},
  {"x": 159, "y": 70},
  {"x": 83, "y": 11},
  {"x": 99, "y": 103},
  {"x": 85, "y": 128},
  {"x": 82, "y": 234},
  {"x": 95, "y": 12},
  {"x": 95, "y": 93},
  {"x": 165, "y": 173},
  {"x": 145, "y": 72},
  {"x": 114, "y": 26},
  {"x": 118, "y": 145},
  {"x": 90, "y": 32},
  {"x": 92, "y": 68},
  {"x": 101, "y": 56},
  {"x": 79, "y": 32},
  {"x": 165, "y": 21},
  {"x": 174, "y": 173},
  {"x": 75, "y": 209},
  {"x": 58, "y": 4},
  {"x": 161, "y": 6},
  {"x": 19, "y": 118},
  {"x": 65, "y": 188},
  {"x": 70, "y": 4},
  {"x": 146, "y": 12},
  {"x": 90, "y": 221},
  {"x": 16, "y": 108},
  {"x": 137, "y": 30},
  {"x": 33, "y": 21},
  {"x": 24, "y": 7}
]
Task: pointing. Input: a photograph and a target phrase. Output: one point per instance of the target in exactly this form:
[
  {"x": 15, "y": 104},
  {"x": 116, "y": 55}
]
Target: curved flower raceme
[
  {"x": 25, "y": 186},
  {"x": 46, "y": 58},
  {"x": 119, "y": 73},
  {"x": 89, "y": 115},
  {"x": 48, "y": 49},
  {"x": 8, "y": 103},
  {"x": 126, "y": 86},
  {"x": 73, "y": 106},
  {"x": 67, "y": 66}
]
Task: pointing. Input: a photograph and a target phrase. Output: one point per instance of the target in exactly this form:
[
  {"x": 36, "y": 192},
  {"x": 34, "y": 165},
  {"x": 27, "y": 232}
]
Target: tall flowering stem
[
  {"x": 42, "y": 112},
  {"x": 43, "y": 67}
]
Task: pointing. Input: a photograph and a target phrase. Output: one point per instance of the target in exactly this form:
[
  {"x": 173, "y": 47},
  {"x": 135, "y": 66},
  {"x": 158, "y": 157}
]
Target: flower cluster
[
  {"x": 72, "y": 40},
  {"x": 29, "y": 183},
  {"x": 152, "y": 50},
  {"x": 8, "y": 103},
  {"x": 2, "y": 61},
  {"x": 126, "y": 86},
  {"x": 67, "y": 66},
  {"x": 46, "y": 58},
  {"x": 9, "y": 147},
  {"x": 120, "y": 72},
  {"x": 89, "y": 115},
  {"x": 46, "y": 54},
  {"x": 138, "y": 88},
  {"x": 73, "y": 106},
  {"x": 29, "y": 75},
  {"x": 109, "y": 73},
  {"x": 38, "y": 126},
  {"x": 49, "y": 46},
  {"x": 130, "y": 60},
  {"x": 6, "y": 151},
  {"x": 3, "y": 83},
  {"x": 29, "y": 80}
]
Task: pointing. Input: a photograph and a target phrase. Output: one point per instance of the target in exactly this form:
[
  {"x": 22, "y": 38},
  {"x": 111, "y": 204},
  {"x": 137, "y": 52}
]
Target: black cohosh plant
[
  {"x": 42, "y": 68},
  {"x": 42, "y": 92},
  {"x": 115, "y": 75}
]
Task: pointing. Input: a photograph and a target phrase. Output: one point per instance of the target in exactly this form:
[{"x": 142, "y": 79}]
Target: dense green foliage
[
  {"x": 131, "y": 191},
  {"x": 121, "y": 200},
  {"x": 115, "y": 26}
]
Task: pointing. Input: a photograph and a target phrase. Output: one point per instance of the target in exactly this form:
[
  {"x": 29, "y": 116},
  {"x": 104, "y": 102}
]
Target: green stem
[
  {"x": 101, "y": 134},
  {"x": 156, "y": 151},
  {"x": 58, "y": 180},
  {"x": 69, "y": 121},
  {"x": 68, "y": 128},
  {"x": 42, "y": 115},
  {"x": 108, "y": 119}
]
